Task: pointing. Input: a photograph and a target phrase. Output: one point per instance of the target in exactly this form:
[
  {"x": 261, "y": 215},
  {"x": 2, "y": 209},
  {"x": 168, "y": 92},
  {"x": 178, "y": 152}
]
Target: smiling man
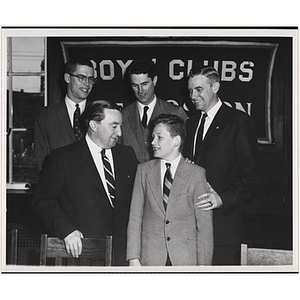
[
  {"x": 58, "y": 124},
  {"x": 221, "y": 139},
  {"x": 165, "y": 226},
  {"x": 137, "y": 117},
  {"x": 85, "y": 188}
]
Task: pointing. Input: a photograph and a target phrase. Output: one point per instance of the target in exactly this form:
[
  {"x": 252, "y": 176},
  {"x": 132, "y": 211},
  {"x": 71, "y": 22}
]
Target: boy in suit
[{"x": 165, "y": 226}]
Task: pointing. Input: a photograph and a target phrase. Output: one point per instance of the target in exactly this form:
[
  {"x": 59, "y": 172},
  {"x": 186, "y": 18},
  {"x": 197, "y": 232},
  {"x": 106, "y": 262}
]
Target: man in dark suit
[
  {"x": 227, "y": 148},
  {"x": 55, "y": 125},
  {"x": 75, "y": 198},
  {"x": 138, "y": 116}
]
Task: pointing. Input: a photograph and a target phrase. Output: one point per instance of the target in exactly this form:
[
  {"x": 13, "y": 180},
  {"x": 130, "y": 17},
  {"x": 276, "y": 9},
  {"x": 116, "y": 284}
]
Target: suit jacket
[
  {"x": 230, "y": 155},
  {"x": 134, "y": 134},
  {"x": 70, "y": 195},
  {"x": 53, "y": 129},
  {"x": 182, "y": 231}
]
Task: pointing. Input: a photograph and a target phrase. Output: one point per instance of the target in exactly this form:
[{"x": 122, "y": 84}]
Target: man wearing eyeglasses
[{"x": 59, "y": 124}]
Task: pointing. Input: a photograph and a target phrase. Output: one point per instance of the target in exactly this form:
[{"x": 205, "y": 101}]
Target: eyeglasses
[{"x": 84, "y": 79}]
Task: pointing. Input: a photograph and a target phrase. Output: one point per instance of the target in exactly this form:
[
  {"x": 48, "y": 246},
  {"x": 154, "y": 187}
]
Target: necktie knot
[{"x": 168, "y": 165}]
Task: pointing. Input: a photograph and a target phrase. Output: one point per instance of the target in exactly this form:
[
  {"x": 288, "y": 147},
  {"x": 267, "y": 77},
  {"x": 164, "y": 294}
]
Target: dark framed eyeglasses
[{"x": 82, "y": 79}]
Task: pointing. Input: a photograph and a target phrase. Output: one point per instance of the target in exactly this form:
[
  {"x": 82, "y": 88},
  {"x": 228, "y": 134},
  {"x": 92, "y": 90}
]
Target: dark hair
[
  {"x": 142, "y": 66},
  {"x": 174, "y": 123},
  {"x": 208, "y": 72},
  {"x": 73, "y": 63},
  {"x": 96, "y": 111}
]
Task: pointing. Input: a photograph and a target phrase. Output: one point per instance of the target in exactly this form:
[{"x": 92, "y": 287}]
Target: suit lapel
[
  {"x": 179, "y": 181},
  {"x": 154, "y": 181},
  {"x": 135, "y": 124},
  {"x": 65, "y": 119},
  {"x": 120, "y": 174},
  {"x": 216, "y": 125},
  {"x": 86, "y": 161}
]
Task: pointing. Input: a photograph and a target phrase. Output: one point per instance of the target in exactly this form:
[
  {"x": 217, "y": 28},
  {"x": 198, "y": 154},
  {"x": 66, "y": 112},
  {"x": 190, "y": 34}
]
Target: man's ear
[
  {"x": 93, "y": 125},
  {"x": 155, "y": 79},
  {"x": 216, "y": 87},
  {"x": 67, "y": 77}
]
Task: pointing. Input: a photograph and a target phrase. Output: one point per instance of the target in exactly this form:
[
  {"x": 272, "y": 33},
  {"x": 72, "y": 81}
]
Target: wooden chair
[
  {"x": 94, "y": 251},
  {"x": 265, "y": 257},
  {"x": 14, "y": 247}
]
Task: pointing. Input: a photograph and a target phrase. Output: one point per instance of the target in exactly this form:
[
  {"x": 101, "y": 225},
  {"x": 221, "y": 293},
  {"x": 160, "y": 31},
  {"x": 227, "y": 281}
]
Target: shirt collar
[
  {"x": 92, "y": 145},
  {"x": 174, "y": 163},
  {"x": 71, "y": 104},
  {"x": 150, "y": 105},
  {"x": 212, "y": 112}
]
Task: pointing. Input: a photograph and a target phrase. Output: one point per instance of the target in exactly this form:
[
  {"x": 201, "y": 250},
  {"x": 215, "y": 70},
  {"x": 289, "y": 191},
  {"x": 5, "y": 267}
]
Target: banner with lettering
[{"x": 245, "y": 69}]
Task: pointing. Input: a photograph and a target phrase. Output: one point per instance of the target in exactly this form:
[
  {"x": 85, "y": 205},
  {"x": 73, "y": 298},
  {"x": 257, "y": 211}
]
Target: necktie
[
  {"x": 76, "y": 125},
  {"x": 199, "y": 137},
  {"x": 110, "y": 181},
  {"x": 145, "y": 118},
  {"x": 167, "y": 185}
]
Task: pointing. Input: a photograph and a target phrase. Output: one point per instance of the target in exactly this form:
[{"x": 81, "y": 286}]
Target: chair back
[
  {"x": 95, "y": 251},
  {"x": 265, "y": 257},
  {"x": 14, "y": 247}
]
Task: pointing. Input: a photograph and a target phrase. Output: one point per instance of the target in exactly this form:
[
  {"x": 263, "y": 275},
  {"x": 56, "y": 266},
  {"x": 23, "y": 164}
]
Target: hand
[
  {"x": 73, "y": 243},
  {"x": 134, "y": 263},
  {"x": 210, "y": 200}
]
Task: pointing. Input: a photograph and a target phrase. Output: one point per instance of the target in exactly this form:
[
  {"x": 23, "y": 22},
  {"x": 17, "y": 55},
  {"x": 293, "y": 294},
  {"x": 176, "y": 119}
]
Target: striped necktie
[
  {"x": 76, "y": 124},
  {"x": 167, "y": 185},
  {"x": 110, "y": 181}
]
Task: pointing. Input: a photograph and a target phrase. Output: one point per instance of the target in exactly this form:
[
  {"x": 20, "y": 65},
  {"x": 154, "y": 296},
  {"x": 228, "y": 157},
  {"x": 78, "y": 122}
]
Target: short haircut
[
  {"x": 208, "y": 72},
  {"x": 174, "y": 124},
  {"x": 73, "y": 63},
  {"x": 96, "y": 111},
  {"x": 142, "y": 66}
]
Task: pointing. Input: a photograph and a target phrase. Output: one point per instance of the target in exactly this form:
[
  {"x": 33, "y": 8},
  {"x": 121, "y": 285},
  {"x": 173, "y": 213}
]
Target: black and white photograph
[{"x": 149, "y": 151}]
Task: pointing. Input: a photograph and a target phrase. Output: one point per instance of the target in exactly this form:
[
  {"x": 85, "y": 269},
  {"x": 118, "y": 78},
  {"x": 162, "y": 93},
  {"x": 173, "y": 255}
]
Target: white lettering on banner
[
  {"x": 245, "y": 70},
  {"x": 124, "y": 66},
  {"x": 110, "y": 64},
  {"x": 95, "y": 67},
  {"x": 171, "y": 69},
  {"x": 239, "y": 106},
  {"x": 216, "y": 64},
  {"x": 178, "y": 69},
  {"x": 228, "y": 67}
]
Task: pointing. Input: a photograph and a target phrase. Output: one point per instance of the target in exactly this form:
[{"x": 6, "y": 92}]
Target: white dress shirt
[
  {"x": 149, "y": 111},
  {"x": 174, "y": 164},
  {"x": 71, "y": 107},
  {"x": 96, "y": 154}
]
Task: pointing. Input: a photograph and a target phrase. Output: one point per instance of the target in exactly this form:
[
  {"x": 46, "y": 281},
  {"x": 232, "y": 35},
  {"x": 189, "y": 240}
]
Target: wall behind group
[{"x": 256, "y": 77}]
